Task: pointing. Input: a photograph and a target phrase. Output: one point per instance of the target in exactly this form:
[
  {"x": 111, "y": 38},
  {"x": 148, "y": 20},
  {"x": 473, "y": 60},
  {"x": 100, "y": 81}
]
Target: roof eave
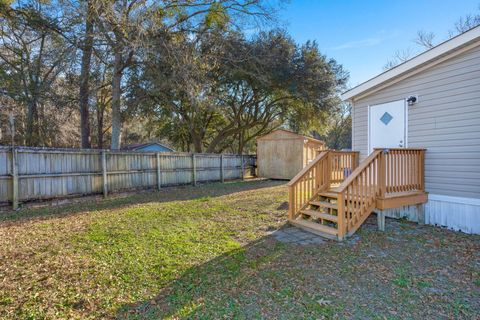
[{"x": 444, "y": 49}]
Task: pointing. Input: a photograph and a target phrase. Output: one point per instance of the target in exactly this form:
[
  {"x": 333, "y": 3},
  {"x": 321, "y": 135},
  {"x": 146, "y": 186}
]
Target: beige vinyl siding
[{"x": 446, "y": 121}]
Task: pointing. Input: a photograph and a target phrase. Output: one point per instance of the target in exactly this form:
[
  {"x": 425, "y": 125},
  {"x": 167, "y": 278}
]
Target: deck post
[
  {"x": 421, "y": 213},
  {"x": 380, "y": 220},
  {"x": 291, "y": 202},
  {"x": 328, "y": 170},
  {"x": 356, "y": 159},
  {"x": 159, "y": 172},
  {"x": 222, "y": 173},
  {"x": 382, "y": 175},
  {"x": 422, "y": 170},
  {"x": 104, "y": 174},
  {"x": 318, "y": 172},
  {"x": 341, "y": 217},
  {"x": 14, "y": 179},
  {"x": 194, "y": 170}
]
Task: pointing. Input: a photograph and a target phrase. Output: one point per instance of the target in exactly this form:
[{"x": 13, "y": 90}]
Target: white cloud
[
  {"x": 369, "y": 42},
  {"x": 382, "y": 35}
]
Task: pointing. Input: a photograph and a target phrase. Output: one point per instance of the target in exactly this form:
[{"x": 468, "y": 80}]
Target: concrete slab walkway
[{"x": 294, "y": 235}]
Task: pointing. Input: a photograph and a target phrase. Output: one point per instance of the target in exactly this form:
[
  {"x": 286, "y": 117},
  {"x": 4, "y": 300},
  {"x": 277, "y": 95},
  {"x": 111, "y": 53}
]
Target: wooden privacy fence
[{"x": 36, "y": 173}]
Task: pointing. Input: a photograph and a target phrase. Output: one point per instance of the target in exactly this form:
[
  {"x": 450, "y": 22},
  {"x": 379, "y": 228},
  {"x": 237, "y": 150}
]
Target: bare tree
[
  {"x": 33, "y": 59},
  {"x": 425, "y": 39},
  {"x": 400, "y": 56},
  {"x": 465, "y": 23}
]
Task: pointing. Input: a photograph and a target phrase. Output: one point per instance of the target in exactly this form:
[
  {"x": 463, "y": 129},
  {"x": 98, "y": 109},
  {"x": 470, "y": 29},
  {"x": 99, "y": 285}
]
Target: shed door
[{"x": 387, "y": 123}]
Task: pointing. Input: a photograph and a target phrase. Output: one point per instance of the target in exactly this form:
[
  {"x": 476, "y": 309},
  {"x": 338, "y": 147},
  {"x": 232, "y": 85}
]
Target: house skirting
[{"x": 456, "y": 213}]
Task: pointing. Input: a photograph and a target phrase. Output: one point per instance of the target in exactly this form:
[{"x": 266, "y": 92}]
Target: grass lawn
[{"x": 207, "y": 252}]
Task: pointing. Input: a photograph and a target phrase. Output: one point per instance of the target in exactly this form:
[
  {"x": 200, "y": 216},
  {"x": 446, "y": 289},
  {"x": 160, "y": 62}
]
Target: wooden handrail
[
  {"x": 403, "y": 170},
  {"x": 384, "y": 171},
  {"x": 342, "y": 164},
  {"x": 328, "y": 167},
  {"x": 400, "y": 149},
  {"x": 356, "y": 195},
  {"x": 307, "y": 168},
  {"x": 308, "y": 183},
  {"x": 324, "y": 153},
  {"x": 357, "y": 171},
  {"x": 394, "y": 170}
]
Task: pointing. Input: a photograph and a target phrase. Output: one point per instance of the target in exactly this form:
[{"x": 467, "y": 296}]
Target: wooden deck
[
  {"x": 334, "y": 195},
  {"x": 400, "y": 199}
]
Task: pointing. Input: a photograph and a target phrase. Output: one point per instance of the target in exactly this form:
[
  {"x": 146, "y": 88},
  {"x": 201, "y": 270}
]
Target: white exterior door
[{"x": 387, "y": 125}]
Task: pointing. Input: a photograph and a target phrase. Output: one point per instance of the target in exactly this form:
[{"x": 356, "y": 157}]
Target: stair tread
[
  {"x": 328, "y": 194},
  {"x": 320, "y": 215},
  {"x": 324, "y": 204},
  {"x": 316, "y": 228}
]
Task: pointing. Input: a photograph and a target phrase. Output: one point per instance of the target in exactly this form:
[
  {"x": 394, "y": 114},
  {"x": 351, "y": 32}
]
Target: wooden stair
[
  {"x": 334, "y": 195},
  {"x": 323, "y": 231},
  {"x": 320, "y": 215}
]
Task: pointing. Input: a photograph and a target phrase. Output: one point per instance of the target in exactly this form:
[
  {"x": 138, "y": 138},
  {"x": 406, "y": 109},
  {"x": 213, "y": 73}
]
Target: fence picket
[{"x": 41, "y": 174}]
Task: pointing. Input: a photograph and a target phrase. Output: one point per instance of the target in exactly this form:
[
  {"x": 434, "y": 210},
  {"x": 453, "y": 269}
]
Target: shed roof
[
  {"x": 270, "y": 136},
  {"x": 424, "y": 60}
]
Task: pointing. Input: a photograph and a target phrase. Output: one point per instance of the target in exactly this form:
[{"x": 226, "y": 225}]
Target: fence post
[
  {"x": 14, "y": 179},
  {"x": 243, "y": 167},
  {"x": 222, "y": 177},
  {"x": 104, "y": 174},
  {"x": 159, "y": 173},
  {"x": 194, "y": 169}
]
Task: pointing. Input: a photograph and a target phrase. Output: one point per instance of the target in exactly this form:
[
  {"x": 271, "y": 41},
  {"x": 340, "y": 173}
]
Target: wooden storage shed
[{"x": 281, "y": 154}]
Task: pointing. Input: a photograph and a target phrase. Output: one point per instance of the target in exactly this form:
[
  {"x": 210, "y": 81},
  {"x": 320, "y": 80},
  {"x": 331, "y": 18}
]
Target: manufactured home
[{"x": 416, "y": 128}]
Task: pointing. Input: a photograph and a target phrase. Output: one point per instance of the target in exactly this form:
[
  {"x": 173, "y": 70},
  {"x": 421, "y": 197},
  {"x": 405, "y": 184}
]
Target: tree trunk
[
  {"x": 32, "y": 124},
  {"x": 116, "y": 96},
  {"x": 85, "y": 77},
  {"x": 221, "y": 136},
  {"x": 100, "y": 115},
  {"x": 32, "y": 112},
  {"x": 197, "y": 143},
  {"x": 241, "y": 142}
]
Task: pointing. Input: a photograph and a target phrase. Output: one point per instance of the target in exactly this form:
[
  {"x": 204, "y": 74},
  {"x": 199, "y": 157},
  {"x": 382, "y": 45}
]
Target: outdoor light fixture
[{"x": 412, "y": 100}]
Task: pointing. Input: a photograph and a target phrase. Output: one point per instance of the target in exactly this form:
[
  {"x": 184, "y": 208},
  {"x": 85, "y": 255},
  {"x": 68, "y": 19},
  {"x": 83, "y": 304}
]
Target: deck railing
[
  {"x": 384, "y": 171},
  {"x": 357, "y": 194},
  {"x": 327, "y": 168},
  {"x": 403, "y": 170},
  {"x": 307, "y": 183},
  {"x": 342, "y": 164}
]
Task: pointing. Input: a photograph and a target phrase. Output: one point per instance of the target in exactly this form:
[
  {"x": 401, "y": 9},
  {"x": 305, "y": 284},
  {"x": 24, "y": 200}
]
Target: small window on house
[{"x": 386, "y": 118}]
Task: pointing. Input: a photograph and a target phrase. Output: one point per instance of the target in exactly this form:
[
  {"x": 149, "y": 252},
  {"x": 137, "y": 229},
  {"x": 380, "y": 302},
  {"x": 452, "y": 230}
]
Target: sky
[{"x": 363, "y": 35}]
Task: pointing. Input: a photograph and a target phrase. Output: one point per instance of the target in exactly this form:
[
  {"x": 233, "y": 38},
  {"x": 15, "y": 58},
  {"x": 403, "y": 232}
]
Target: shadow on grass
[
  {"x": 184, "y": 296},
  {"x": 241, "y": 284},
  {"x": 267, "y": 279},
  {"x": 122, "y": 200}
]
